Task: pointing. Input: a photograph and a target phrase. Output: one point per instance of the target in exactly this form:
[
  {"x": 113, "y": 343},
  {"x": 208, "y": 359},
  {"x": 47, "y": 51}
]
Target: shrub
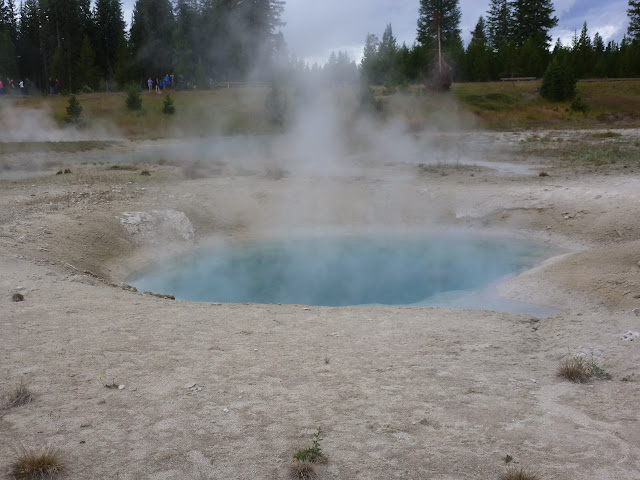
[
  {"x": 133, "y": 99},
  {"x": 518, "y": 474},
  {"x": 32, "y": 465},
  {"x": 20, "y": 396},
  {"x": 74, "y": 110},
  {"x": 168, "y": 105},
  {"x": 558, "y": 82},
  {"x": 578, "y": 105}
]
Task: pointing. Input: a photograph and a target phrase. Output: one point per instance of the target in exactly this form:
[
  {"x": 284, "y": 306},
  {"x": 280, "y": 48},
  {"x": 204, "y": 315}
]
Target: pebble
[
  {"x": 190, "y": 385},
  {"x": 120, "y": 387},
  {"x": 631, "y": 336},
  {"x": 225, "y": 410}
]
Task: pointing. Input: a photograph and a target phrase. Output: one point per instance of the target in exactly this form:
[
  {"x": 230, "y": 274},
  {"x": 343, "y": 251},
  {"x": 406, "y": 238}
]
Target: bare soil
[{"x": 231, "y": 391}]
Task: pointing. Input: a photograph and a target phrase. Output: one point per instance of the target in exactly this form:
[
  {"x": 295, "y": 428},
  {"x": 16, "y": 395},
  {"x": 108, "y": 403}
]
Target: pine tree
[
  {"x": 438, "y": 18},
  {"x": 387, "y": 51},
  {"x": 477, "y": 56},
  {"x": 151, "y": 35},
  {"x": 8, "y": 64},
  {"x": 88, "y": 74},
  {"x": 533, "y": 19},
  {"x": 109, "y": 30},
  {"x": 634, "y": 19},
  {"x": 74, "y": 110},
  {"x": 369, "y": 64},
  {"x": 582, "y": 54},
  {"x": 558, "y": 82},
  {"x": 499, "y": 23},
  {"x": 28, "y": 44}
]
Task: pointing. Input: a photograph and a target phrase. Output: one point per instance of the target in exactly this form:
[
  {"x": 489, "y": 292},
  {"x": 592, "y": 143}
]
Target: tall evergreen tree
[
  {"x": 499, "y": 23},
  {"x": 533, "y": 19},
  {"x": 582, "y": 54},
  {"x": 438, "y": 17},
  {"x": 634, "y": 19},
  {"x": 369, "y": 64},
  {"x": 109, "y": 30},
  {"x": 151, "y": 37},
  {"x": 387, "y": 53},
  {"x": 477, "y": 56},
  {"x": 88, "y": 74}
]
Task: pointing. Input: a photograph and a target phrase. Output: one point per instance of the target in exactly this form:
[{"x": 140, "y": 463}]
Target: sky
[{"x": 315, "y": 28}]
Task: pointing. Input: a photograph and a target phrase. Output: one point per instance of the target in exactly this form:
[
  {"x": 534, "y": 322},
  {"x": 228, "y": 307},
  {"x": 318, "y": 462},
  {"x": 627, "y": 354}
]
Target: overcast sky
[{"x": 316, "y": 27}]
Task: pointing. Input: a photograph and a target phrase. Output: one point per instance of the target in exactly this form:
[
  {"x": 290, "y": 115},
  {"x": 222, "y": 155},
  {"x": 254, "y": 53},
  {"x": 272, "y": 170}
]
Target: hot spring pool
[{"x": 451, "y": 270}]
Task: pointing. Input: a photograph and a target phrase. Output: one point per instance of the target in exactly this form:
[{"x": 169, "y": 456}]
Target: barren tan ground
[{"x": 228, "y": 391}]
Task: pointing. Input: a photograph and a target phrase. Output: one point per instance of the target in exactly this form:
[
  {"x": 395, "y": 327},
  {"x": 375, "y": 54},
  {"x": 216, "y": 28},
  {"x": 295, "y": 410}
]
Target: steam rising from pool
[{"x": 452, "y": 270}]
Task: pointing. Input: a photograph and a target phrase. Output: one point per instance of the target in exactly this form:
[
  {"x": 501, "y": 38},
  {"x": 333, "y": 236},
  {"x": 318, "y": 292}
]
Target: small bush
[
  {"x": 18, "y": 297},
  {"x": 168, "y": 105},
  {"x": 578, "y": 105},
  {"x": 518, "y": 474},
  {"x": 133, "y": 100},
  {"x": 74, "y": 110},
  {"x": 579, "y": 370},
  {"x": 558, "y": 82},
  {"x": 573, "y": 369},
  {"x": 314, "y": 453},
  {"x": 20, "y": 396},
  {"x": 32, "y": 465},
  {"x": 302, "y": 471}
]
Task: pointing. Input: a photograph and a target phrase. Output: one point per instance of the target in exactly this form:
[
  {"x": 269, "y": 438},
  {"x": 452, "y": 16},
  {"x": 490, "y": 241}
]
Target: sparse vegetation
[
  {"x": 580, "y": 370},
  {"x": 312, "y": 454},
  {"x": 628, "y": 378},
  {"x": 36, "y": 465},
  {"x": 518, "y": 474},
  {"x": 507, "y": 459},
  {"x": 21, "y": 395},
  {"x": 302, "y": 471},
  {"x": 17, "y": 297}
]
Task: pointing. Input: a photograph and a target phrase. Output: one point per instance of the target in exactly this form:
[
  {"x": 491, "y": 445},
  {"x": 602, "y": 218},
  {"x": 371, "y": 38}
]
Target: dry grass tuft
[
  {"x": 17, "y": 297},
  {"x": 518, "y": 474},
  {"x": 36, "y": 465},
  {"x": 574, "y": 369},
  {"x": 302, "y": 471},
  {"x": 20, "y": 396}
]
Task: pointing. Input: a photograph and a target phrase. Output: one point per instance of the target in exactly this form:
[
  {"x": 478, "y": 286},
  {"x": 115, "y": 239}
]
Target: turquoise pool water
[{"x": 452, "y": 269}]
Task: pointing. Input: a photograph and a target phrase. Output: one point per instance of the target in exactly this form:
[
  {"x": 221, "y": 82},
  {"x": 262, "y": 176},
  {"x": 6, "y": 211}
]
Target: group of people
[
  {"x": 54, "y": 86},
  {"x": 168, "y": 82},
  {"x": 24, "y": 86}
]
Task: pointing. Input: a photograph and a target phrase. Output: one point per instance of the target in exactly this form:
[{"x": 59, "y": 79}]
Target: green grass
[{"x": 63, "y": 147}]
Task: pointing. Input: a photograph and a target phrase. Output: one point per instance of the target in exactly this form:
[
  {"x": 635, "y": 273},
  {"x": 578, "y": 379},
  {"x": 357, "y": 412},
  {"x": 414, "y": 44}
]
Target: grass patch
[
  {"x": 122, "y": 166},
  {"x": 36, "y": 465},
  {"x": 519, "y": 474},
  {"x": 580, "y": 370},
  {"x": 21, "y": 395}
]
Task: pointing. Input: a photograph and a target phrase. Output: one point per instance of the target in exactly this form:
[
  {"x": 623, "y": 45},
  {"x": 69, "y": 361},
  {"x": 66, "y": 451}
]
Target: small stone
[
  {"x": 636, "y": 311},
  {"x": 225, "y": 410},
  {"x": 120, "y": 387},
  {"x": 306, "y": 308},
  {"x": 190, "y": 385},
  {"x": 534, "y": 380}
]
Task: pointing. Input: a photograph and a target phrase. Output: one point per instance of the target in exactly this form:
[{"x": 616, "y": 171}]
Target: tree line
[
  {"x": 88, "y": 48},
  {"x": 512, "y": 40}
]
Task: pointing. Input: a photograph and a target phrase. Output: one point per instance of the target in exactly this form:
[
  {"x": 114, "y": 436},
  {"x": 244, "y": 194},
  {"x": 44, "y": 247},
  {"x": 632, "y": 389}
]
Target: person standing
[
  {"x": 150, "y": 84},
  {"x": 21, "y": 87},
  {"x": 57, "y": 86},
  {"x": 1, "y": 88}
]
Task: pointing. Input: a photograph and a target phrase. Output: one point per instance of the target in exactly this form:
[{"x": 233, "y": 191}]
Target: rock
[
  {"x": 120, "y": 387},
  {"x": 225, "y": 410},
  {"x": 636, "y": 311},
  {"x": 190, "y": 385}
]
